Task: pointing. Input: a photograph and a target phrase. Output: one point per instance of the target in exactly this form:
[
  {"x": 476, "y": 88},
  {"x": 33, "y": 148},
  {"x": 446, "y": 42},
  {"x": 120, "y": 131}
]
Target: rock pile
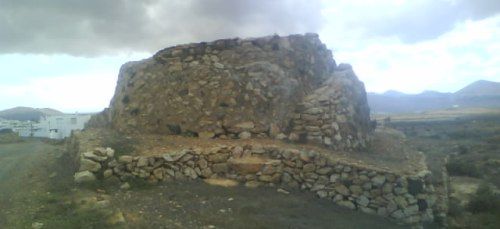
[
  {"x": 279, "y": 87},
  {"x": 92, "y": 162},
  {"x": 406, "y": 198}
]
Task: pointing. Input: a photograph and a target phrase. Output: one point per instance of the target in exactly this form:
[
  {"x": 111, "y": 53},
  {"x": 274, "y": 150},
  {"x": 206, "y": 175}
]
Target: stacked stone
[
  {"x": 331, "y": 116},
  {"x": 405, "y": 198},
  {"x": 92, "y": 164},
  {"x": 240, "y": 88},
  {"x": 212, "y": 87}
]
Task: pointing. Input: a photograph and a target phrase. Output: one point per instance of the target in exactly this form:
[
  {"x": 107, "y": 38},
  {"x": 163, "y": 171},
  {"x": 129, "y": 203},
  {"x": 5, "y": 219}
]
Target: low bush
[
  {"x": 454, "y": 208},
  {"x": 457, "y": 167},
  {"x": 484, "y": 200}
]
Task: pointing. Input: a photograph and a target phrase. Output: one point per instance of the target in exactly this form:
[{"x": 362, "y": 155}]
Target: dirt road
[{"x": 24, "y": 179}]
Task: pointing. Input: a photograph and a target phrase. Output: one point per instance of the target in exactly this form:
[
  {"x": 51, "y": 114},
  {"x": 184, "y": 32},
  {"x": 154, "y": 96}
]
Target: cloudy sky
[{"x": 65, "y": 54}]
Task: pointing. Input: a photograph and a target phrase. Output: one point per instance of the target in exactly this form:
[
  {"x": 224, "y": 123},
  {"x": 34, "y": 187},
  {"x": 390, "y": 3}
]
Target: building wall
[
  {"x": 23, "y": 128},
  {"x": 59, "y": 126}
]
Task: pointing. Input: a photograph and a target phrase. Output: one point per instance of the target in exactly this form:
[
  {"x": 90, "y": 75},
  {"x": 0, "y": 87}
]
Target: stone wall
[
  {"x": 405, "y": 198},
  {"x": 242, "y": 88},
  {"x": 335, "y": 114}
]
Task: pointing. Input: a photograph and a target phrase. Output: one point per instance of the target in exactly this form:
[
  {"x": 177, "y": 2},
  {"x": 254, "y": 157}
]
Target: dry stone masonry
[
  {"x": 286, "y": 88},
  {"x": 280, "y": 87},
  {"x": 405, "y": 198},
  {"x": 334, "y": 114}
]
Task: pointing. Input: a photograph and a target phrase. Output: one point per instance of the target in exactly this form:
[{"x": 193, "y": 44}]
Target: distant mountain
[
  {"x": 481, "y": 93},
  {"x": 27, "y": 113},
  {"x": 480, "y": 88},
  {"x": 433, "y": 94},
  {"x": 394, "y": 93},
  {"x": 408, "y": 103}
]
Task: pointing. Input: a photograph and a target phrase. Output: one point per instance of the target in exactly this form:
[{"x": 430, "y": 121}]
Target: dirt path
[
  {"x": 36, "y": 188},
  {"x": 23, "y": 180}
]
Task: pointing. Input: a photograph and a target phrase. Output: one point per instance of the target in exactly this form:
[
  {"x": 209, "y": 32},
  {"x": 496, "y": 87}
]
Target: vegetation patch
[
  {"x": 482, "y": 211},
  {"x": 9, "y": 137},
  {"x": 139, "y": 184},
  {"x": 65, "y": 215},
  {"x": 484, "y": 200},
  {"x": 120, "y": 143},
  {"x": 460, "y": 167}
]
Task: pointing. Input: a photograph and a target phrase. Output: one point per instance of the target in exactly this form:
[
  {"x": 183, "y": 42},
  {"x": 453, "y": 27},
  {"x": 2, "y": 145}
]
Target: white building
[
  {"x": 54, "y": 127},
  {"x": 5, "y": 125},
  {"x": 60, "y": 126},
  {"x": 14, "y": 125}
]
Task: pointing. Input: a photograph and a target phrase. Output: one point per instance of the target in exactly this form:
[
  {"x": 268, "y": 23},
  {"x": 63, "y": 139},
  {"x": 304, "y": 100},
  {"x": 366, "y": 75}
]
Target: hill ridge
[
  {"x": 23, "y": 113},
  {"x": 481, "y": 93}
]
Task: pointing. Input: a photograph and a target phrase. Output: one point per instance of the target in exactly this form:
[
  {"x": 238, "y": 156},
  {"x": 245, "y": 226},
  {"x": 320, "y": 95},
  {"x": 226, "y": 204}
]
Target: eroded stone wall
[
  {"x": 335, "y": 115},
  {"x": 406, "y": 198},
  {"x": 242, "y": 88}
]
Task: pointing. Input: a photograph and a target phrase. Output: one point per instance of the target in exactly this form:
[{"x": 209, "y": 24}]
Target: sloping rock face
[{"x": 264, "y": 87}]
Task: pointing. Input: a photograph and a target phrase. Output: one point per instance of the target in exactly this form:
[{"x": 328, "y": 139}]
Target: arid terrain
[
  {"x": 37, "y": 186},
  {"x": 293, "y": 114},
  {"x": 467, "y": 143}
]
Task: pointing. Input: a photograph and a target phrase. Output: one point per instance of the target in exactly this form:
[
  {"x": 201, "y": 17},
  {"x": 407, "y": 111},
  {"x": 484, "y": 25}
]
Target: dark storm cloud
[
  {"x": 423, "y": 20},
  {"x": 94, "y": 27}
]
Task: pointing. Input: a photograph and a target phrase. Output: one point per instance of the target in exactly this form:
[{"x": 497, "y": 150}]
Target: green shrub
[
  {"x": 484, "y": 200},
  {"x": 484, "y": 220},
  {"x": 454, "y": 208},
  {"x": 458, "y": 167}
]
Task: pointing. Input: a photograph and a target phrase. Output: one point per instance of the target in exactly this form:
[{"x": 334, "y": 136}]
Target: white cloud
[
  {"x": 69, "y": 93},
  {"x": 96, "y": 27},
  {"x": 467, "y": 53},
  {"x": 392, "y": 44}
]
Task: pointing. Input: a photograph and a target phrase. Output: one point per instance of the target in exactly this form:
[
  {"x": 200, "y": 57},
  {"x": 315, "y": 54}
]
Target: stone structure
[
  {"x": 272, "y": 87},
  {"x": 280, "y": 87},
  {"x": 405, "y": 198}
]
